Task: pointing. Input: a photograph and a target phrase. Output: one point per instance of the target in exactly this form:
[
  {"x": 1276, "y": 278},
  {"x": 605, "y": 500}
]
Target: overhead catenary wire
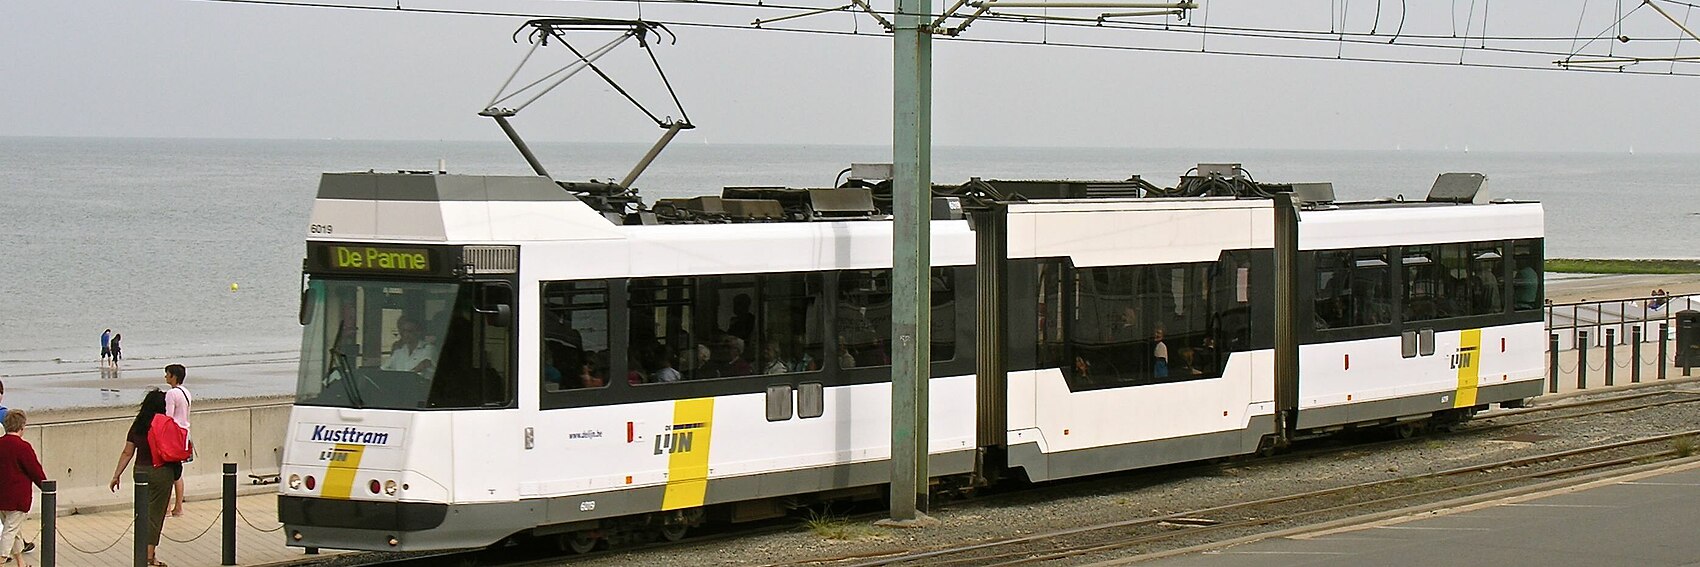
[
  {"x": 1263, "y": 33},
  {"x": 1250, "y": 31}
]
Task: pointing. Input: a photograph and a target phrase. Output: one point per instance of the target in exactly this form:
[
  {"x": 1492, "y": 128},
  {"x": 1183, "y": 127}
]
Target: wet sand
[{"x": 67, "y": 394}]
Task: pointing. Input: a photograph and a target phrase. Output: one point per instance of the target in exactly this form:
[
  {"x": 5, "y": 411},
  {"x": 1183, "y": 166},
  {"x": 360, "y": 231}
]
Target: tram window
[
  {"x": 575, "y": 335},
  {"x": 1229, "y": 327},
  {"x": 788, "y": 339},
  {"x": 724, "y": 327},
  {"x": 1455, "y": 285},
  {"x": 1422, "y": 284},
  {"x": 1487, "y": 264},
  {"x": 943, "y": 318},
  {"x": 1333, "y": 293},
  {"x": 1372, "y": 290},
  {"x": 864, "y": 318},
  {"x": 1352, "y": 288},
  {"x": 474, "y": 364},
  {"x": 662, "y": 341},
  {"x": 1049, "y": 285},
  {"x": 1526, "y": 274},
  {"x": 1143, "y": 324}
]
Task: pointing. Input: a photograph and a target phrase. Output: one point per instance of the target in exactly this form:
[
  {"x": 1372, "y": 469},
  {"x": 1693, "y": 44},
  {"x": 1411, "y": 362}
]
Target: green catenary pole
[{"x": 912, "y": 70}]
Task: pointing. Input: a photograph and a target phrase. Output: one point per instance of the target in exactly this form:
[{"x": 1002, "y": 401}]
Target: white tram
[{"x": 496, "y": 357}]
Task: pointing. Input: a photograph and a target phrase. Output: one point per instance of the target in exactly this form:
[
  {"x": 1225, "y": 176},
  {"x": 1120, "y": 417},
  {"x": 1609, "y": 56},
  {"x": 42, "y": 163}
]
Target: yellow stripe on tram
[
  {"x": 339, "y": 474},
  {"x": 1469, "y": 365},
  {"x": 687, "y": 446}
]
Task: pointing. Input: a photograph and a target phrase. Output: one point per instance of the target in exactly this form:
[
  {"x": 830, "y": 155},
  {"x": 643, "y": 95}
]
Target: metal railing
[{"x": 1569, "y": 320}]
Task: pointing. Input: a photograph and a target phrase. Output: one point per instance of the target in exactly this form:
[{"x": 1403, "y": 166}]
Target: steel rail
[
  {"x": 1192, "y": 515},
  {"x": 887, "y": 556}
]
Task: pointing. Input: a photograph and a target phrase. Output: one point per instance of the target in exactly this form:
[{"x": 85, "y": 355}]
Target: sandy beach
[{"x": 1568, "y": 288}]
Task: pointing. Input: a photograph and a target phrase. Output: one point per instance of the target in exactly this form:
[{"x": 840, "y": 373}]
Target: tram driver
[{"x": 412, "y": 352}]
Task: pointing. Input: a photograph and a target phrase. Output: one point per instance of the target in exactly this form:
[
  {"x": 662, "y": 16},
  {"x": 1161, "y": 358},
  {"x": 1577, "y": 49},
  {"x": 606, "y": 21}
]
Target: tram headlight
[
  {"x": 389, "y": 488},
  {"x": 295, "y": 482}
]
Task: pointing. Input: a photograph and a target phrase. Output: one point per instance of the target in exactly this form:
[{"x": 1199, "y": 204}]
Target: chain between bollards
[
  {"x": 229, "y": 514},
  {"x": 49, "y": 522},
  {"x": 144, "y": 527}
]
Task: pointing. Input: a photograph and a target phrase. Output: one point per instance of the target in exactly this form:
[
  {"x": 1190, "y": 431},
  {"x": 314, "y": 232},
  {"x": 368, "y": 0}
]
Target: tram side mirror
[
  {"x": 305, "y": 308},
  {"x": 495, "y": 304},
  {"x": 499, "y": 311},
  {"x": 498, "y": 315}
]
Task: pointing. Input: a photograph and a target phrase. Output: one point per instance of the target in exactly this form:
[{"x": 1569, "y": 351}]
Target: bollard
[
  {"x": 1611, "y": 354},
  {"x": 1664, "y": 346},
  {"x": 229, "y": 514},
  {"x": 142, "y": 523},
  {"x": 1635, "y": 353},
  {"x": 49, "y": 522},
  {"x": 1552, "y": 363},
  {"x": 1581, "y": 360}
]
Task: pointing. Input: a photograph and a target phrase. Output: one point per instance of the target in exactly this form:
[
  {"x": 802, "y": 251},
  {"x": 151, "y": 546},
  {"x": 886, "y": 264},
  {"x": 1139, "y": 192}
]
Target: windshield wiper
[{"x": 339, "y": 363}]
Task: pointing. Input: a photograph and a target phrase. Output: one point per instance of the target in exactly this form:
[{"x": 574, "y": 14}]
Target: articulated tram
[{"x": 496, "y": 357}]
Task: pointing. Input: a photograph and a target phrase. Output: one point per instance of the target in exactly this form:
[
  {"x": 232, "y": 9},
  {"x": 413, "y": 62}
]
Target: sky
[{"x": 180, "y": 68}]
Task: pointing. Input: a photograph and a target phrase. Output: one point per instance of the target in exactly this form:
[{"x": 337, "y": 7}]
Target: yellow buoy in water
[{"x": 232, "y": 286}]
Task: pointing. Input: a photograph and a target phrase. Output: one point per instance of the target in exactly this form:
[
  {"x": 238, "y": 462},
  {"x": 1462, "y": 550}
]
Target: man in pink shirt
[{"x": 177, "y": 407}]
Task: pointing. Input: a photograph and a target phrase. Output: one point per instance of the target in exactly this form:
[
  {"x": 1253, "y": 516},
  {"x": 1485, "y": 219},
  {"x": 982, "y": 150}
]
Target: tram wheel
[
  {"x": 1405, "y": 430},
  {"x": 673, "y": 532},
  {"x": 580, "y": 542}
]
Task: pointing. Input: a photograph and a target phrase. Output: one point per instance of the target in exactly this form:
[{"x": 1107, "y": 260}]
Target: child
[{"x": 19, "y": 468}]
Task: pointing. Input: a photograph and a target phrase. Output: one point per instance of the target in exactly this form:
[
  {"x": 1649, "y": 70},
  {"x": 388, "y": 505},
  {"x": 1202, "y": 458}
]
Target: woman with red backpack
[{"x": 160, "y": 478}]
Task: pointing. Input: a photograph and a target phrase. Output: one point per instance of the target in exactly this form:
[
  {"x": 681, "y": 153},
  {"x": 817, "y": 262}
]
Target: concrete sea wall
[{"x": 81, "y": 454}]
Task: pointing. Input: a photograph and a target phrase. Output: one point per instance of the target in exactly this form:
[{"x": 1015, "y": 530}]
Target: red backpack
[{"x": 168, "y": 442}]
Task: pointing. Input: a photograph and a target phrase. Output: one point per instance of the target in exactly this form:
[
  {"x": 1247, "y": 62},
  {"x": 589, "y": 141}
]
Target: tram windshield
[{"x": 404, "y": 345}]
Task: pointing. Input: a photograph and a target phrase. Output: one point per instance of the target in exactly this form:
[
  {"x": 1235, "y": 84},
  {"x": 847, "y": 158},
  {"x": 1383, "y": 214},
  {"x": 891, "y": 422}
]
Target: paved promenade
[
  {"x": 104, "y": 538},
  {"x": 1644, "y": 519}
]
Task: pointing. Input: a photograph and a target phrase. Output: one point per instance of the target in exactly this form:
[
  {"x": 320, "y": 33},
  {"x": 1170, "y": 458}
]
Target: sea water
[{"x": 192, "y": 248}]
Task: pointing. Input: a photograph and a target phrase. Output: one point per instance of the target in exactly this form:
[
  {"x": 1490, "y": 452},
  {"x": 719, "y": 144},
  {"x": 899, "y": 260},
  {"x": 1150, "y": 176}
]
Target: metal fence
[{"x": 1622, "y": 316}]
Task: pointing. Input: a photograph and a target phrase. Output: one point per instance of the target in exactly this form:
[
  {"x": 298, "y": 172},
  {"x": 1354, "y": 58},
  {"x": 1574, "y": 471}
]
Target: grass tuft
[
  {"x": 1683, "y": 446},
  {"x": 1587, "y": 266},
  {"x": 830, "y": 526}
]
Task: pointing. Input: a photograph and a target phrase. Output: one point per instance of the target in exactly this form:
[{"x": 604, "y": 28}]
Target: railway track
[
  {"x": 1194, "y": 526},
  {"x": 1161, "y": 531}
]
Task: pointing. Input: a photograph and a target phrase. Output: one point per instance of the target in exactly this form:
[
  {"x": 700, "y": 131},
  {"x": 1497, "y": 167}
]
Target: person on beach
[
  {"x": 105, "y": 347},
  {"x": 177, "y": 406},
  {"x": 19, "y": 468},
  {"x": 116, "y": 350},
  {"x": 159, "y": 478}
]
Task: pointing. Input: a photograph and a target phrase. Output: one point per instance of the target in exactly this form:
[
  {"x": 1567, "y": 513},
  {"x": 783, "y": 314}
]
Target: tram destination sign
[{"x": 376, "y": 259}]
